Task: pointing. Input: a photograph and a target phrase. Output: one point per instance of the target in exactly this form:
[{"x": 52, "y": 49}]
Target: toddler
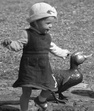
[{"x": 35, "y": 71}]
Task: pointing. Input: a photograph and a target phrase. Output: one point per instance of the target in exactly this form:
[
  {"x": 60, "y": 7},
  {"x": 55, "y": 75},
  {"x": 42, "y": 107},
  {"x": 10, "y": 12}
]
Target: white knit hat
[{"x": 41, "y": 10}]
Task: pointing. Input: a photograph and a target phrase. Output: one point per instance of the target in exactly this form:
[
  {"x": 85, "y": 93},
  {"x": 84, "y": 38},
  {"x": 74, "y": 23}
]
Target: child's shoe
[{"x": 42, "y": 105}]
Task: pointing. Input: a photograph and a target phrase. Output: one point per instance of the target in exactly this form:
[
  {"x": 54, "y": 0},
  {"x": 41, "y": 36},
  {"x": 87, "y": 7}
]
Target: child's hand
[
  {"x": 6, "y": 42},
  {"x": 66, "y": 53}
]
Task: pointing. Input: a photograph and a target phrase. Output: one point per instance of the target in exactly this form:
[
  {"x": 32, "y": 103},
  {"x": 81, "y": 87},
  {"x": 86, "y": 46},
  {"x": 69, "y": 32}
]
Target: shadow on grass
[
  {"x": 87, "y": 93},
  {"x": 9, "y": 105},
  {"x": 11, "y": 102},
  {"x": 9, "y": 108}
]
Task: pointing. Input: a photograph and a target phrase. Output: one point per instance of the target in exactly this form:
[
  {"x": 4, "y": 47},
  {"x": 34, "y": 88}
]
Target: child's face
[{"x": 44, "y": 25}]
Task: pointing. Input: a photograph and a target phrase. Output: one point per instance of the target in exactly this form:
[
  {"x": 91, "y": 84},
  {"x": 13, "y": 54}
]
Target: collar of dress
[{"x": 35, "y": 29}]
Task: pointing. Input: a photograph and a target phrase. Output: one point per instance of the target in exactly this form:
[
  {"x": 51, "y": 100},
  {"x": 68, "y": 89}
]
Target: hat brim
[{"x": 40, "y": 16}]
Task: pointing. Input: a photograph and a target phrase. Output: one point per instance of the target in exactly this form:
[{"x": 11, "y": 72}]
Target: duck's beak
[{"x": 87, "y": 56}]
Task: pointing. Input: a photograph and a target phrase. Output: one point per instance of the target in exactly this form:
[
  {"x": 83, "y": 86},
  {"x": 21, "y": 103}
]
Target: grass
[{"x": 74, "y": 30}]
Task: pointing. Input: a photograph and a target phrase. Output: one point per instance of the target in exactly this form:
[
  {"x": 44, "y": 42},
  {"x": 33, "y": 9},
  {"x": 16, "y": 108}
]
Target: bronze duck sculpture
[{"x": 72, "y": 76}]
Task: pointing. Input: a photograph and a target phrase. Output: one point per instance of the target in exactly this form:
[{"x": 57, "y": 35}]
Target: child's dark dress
[{"x": 35, "y": 70}]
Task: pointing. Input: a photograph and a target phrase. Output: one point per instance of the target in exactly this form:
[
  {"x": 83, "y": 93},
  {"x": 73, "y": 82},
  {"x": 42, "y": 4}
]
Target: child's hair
[{"x": 41, "y": 10}]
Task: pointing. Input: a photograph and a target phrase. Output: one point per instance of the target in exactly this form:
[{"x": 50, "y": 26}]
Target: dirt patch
[{"x": 80, "y": 98}]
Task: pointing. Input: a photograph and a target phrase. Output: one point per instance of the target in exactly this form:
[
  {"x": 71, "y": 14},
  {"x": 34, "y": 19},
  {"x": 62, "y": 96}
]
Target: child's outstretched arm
[
  {"x": 63, "y": 53},
  {"x": 16, "y": 45}
]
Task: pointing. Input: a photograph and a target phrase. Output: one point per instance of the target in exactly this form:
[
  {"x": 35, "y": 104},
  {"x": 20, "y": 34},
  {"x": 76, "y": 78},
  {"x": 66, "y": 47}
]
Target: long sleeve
[
  {"x": 63, "y": 53},
  {"x": 18, "y": 45}
]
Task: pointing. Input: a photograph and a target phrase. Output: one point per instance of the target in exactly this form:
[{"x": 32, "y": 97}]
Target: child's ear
[
  {"x": 36, "y": 24},
  {"x": 32, "y": 24}
]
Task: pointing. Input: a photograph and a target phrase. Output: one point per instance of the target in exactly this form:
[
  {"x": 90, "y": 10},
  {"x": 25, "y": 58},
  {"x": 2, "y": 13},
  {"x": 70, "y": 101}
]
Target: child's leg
[
  {"x": 24, "y": 99},
  {"x": 41, "y": 99},
  {"x": 44, "y": 95}
]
